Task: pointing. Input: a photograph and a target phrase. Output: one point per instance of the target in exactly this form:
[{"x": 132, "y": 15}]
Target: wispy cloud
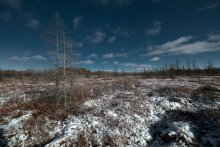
[
  {"x": 12, "y": 3},
  {"x": 98, "y": 37},
  {"x": 155, "y": 29},
  {"x": 93, "y": 55},
  {"x": 185, "y": 45},
  {"x": 33, "y": 23},
  {"x": 215, "y": 37},
  {"x": 78, "y": 54},
  {"x": 123, "y": 54},
  {"x": 17, "y": 7},
  {"x": 117, "y": 55},
  {"x": 116, "y": 63},
  {"x": 136, "y": 66},
  {"x": 209, "y": 6},
  {"x": 19, "y": 59},
  {"x": 108, "y": 56},
  {"x": 86, "y": 62},
  {"x": 78, "y": 44},
  {"x": 105, "y": 62},
  {"x": 155, "y": 59},
  {"x": 121, "y": 32},
  {"x": 112, "y": 39},
  {"x": 27, "y": 58},
  {"x": 5, "y": 16},
  {"x": 39, "y": 57},
  {"x": 27, "y": 52},
  {"x": 76, "y": 22}
]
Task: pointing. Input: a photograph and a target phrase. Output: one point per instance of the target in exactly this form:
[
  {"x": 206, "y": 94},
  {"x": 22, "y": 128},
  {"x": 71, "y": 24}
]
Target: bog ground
[{"x": 126, "y": 111}]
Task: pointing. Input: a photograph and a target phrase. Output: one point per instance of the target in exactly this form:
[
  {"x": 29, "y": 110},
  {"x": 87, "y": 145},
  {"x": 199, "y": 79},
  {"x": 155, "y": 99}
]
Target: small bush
[
  {"x": 2, "y": 122},
  {"x": 206, "y": 93},
  {"x": 81, "y": 140}
]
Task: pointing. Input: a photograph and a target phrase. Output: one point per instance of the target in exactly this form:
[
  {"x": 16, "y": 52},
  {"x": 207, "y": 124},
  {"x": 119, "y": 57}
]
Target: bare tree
[
  {"x": 210, "y": 67},
  {"x": 68, "y": 63},
  {"x": 61, "y": 50},
  {"x": 177, "y": 65},
  {"x": 54, "y": 36},
  {"x": 194, "y": 66},
  {"x": 115, "y": 70},
  {"x": 188, "y": 65},
  {"x": 171, "y": 70},
  {"x": 64, "y": 67}
]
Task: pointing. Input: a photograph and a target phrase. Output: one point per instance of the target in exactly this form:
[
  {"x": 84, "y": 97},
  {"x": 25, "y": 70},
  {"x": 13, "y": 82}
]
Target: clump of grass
[
  {"x": 3, "y": 121},
  {"x": 49, "y": 106},
  {"x": 81, "y": 140}
]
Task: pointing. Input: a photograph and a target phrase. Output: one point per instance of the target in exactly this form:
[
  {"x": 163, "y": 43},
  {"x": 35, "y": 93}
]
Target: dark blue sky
[{"x": 133, "y": 34}]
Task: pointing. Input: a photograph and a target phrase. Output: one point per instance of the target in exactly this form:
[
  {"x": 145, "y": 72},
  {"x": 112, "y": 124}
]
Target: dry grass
[
  {"x": 2, "y": 121},
  {"x": 174, "y": 91},
  {"x": 43, "y": 109},
  {"x": 82, "y": 141},
  {"x": 50, "y": 105}
]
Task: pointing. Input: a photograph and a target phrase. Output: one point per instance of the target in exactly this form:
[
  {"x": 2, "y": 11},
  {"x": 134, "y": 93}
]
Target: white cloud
[
  {"x": 137, "y": 67},
  {"x": 39, "y": 57},
  {"x": 132, "y": 65},
  {"x": 33, "y": 23},
  {"x": 98, "y": 37},
  {"x": 214, "y": 37},
  {"x": 87, "y": 62},
  {"x": 121, "y": 54},
  {"x": 155, "y": 59},
  {"x": 79, "y": 44},
  {"x": 112, "y": 39},
  {"x": 106, "y": 62},
  {"x": 12, "y": 3},
  {"x": 27, "y": 58},
  {"x": 78, "y": 54},
  {"x": 209, "y": 6},
  {"x": 108, "y": 56},
  {"x": 116, "y": 63},
  {"x": 185, "y": 45},
  {"x": 155, "y": 29},
  {"x": 27, "y": 52},
  {"x": 137, "y": 50},
  {"x": 93, "y": 55},
  {"x": 19, "y": 59},
  {"x": 129, "y": 64},
  {"x": 122, "y": 32},
  {"x": 17, "y": 7},
  {"x": 112, "y": 55},
  {"x": 125, "y": 34},
  {"x": 5, "y": 16},
  {"x": 76, "y": 22}
]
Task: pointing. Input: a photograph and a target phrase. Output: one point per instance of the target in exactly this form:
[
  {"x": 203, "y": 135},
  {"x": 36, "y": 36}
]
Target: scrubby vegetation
[{"x": 110, "y": 111}]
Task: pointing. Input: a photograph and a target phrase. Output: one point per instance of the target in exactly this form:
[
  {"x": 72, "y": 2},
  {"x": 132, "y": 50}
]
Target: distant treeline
[
  {"x": 168, "y": 71},
  {"x": 47, "y": 73},
  {"x": 174, "y": 72}
]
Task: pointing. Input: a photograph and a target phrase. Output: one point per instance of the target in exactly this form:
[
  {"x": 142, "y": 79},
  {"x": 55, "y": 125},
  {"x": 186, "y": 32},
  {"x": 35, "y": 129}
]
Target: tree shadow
[
  {"x": 3, "y": 140},
  {"x": 206, "y": 122}
]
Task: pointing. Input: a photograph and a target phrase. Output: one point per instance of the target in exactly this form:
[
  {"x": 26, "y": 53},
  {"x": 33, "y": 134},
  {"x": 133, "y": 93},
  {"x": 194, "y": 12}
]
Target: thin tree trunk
[
  {"x": 64, "y": 69},
  {"x": 57, "y": 55}
]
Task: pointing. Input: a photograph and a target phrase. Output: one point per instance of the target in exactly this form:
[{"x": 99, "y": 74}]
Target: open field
[
  {"x": 112, "y": 112},
  {"x": 109, "y": 73}
]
